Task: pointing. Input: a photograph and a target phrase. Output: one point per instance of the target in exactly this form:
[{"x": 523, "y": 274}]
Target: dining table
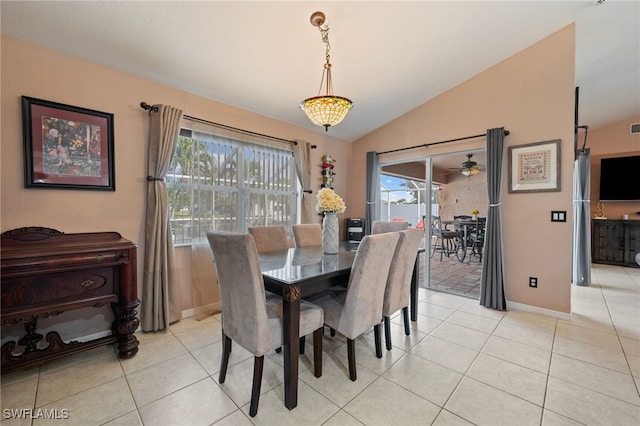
[
  {"x": 465, "y": 226},
  {"x": 304, "y": 271}
]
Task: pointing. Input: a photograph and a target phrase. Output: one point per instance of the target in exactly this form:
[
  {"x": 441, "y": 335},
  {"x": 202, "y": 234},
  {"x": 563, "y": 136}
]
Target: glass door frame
[{"x": 428, "y": 179}]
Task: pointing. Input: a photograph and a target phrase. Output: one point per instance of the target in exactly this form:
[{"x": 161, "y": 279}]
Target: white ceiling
[{"x": 388, "y": 57}]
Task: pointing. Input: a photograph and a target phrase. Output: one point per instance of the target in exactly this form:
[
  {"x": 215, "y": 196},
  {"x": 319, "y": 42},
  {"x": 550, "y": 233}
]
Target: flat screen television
[{"x": 620, "y": 179}]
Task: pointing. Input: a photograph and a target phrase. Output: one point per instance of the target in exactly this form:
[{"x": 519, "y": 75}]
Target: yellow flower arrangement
[
  {"x": 329, "y": 202},
  {"x": 474, "y": 211}
]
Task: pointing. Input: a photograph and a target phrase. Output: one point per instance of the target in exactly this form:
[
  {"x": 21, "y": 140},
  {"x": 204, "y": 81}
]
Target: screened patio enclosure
[{"x": 405, "y": 195}]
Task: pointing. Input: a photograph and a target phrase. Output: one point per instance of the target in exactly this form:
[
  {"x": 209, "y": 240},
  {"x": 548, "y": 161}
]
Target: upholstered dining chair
[
  {"x": 270, "y": 238},
  {"x": 252, "y": 316},
  {"x": 396, "y": 295},
  {"x": 380, "y": 226},
  {"x": 307, "y": 234},
  {"x": 355, "y": 311}
]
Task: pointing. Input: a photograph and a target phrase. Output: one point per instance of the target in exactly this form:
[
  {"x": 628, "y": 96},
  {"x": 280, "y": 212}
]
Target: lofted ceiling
[{"x": 388, "y": 57}]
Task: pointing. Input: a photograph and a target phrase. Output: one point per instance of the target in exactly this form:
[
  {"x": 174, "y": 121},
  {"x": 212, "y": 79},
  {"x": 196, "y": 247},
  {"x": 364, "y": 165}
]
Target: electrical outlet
[{"x": 533, "y": 282}]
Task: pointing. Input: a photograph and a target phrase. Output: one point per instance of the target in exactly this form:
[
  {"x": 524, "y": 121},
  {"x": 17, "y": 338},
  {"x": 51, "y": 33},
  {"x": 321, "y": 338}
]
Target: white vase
[
  {"x": 475, "y": 216},
  {"x": 330, "y": 233}
]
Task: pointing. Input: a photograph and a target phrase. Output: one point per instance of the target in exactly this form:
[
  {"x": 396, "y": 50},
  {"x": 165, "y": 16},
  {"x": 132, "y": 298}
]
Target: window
[
  {"x": 217, "y": 181},
  {"x": 402, "y": 198}
]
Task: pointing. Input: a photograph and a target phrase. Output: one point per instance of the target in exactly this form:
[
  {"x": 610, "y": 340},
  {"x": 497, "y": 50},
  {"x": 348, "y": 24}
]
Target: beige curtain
[
  {"x": 160, "y": 292},
  {"x": 302, "y": 159}
]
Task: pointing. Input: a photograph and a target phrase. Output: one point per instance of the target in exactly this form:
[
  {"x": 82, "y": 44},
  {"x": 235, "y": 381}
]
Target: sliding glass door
[{"x": 446, "y": 187}]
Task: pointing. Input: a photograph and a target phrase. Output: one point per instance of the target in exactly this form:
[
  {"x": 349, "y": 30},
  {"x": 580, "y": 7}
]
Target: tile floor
[{"x": 462, "y": 365}]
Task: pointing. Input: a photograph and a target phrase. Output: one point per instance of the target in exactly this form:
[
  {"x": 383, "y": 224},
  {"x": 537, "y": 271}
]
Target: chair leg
[
  {"x": 302, "y": 340},
  {"x": 258, "y": 364},
  {"x": 387, "y": 332},
  {"x": 405, "y": 314},
  {"x": 224, "y": 362},
  {"x": 351, "y": 355},
  {"x": 376, "y": 333},
  {"x": 317, "y": 352}
]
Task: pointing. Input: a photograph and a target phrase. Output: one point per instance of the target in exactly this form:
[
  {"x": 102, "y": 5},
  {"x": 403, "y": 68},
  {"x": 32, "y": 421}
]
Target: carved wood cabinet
[
  {"x": 46, "y": 272},
  {"x": 616, "y": 242}
]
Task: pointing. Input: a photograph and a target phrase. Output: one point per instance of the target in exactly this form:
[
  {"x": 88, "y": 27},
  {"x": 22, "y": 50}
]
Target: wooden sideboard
[
  {"x": 615, "y": 242},
  {"x": 46, "y": 272}
]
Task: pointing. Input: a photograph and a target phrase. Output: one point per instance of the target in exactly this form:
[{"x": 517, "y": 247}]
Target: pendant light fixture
[{"x": 325, "y": 110}]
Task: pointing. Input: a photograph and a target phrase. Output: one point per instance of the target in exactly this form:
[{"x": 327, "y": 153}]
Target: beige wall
[
  {"x": 613, "y": 140},
  {"x": 532, "y": 95},
  {"x": 29, "y": 70}
]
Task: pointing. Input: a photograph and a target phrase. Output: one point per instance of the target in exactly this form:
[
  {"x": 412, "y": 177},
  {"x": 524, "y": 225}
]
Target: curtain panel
[
  {"x": 373, "y": 189},
  {"x": 160, "y": 292},
  {"x": 492, "y": 284},
  {"x": 581, "y": 265},
  {"x": 302, "y": 159}
]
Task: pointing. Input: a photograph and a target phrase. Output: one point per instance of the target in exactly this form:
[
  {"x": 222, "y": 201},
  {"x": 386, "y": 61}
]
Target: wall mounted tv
[{"x": 620, "y": 179}]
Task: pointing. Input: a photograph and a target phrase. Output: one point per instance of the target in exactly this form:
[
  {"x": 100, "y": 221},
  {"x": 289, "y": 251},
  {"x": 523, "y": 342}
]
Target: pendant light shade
[{"x": 325, "y": 110}]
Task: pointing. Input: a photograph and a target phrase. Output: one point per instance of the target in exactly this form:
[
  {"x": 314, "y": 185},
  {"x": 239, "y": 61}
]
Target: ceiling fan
[{"x": 469, "y": 167}]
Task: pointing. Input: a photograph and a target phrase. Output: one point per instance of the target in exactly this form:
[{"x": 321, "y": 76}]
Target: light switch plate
[{"x": 558, "y": 215}]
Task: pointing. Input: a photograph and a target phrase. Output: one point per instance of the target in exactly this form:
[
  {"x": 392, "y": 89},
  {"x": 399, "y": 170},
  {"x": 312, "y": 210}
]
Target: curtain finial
[{"x": 148, "y": 107}]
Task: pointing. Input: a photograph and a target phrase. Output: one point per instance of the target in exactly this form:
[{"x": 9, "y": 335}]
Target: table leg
[
  {"x": 291, "y": 349},
  {"x": 414, "y": 287}
]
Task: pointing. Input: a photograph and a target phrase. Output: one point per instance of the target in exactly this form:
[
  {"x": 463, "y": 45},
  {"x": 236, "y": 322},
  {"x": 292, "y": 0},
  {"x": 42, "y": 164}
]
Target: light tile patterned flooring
[{"x": 462, "y": 365}]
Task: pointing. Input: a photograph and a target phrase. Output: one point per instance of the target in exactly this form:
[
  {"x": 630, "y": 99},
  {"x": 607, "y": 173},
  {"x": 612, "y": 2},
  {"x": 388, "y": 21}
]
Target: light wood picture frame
[{"x": 535, "y": 167}]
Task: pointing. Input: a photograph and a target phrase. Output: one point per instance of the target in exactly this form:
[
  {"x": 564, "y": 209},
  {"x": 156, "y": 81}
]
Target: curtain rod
[
  {"x": 154, "y": 108},
  {"x": 427, "y": 145}
]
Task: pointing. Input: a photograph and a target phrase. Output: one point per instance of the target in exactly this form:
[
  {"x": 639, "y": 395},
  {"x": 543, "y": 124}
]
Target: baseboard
[
  {"x": 540, "y": 311},
  {"x": 211, "y": 308},
  {"x": 91, "y": 336}
]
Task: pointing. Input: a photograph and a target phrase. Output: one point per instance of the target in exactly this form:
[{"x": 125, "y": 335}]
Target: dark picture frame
[
  {"x": 67, "y": 147},
  {"x": 535, "y": 167}
]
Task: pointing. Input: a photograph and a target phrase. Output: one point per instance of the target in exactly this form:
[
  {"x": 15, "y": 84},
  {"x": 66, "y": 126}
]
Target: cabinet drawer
[
  {"x": 58, "y": 287},
  {"x": 14, "y": 266}
]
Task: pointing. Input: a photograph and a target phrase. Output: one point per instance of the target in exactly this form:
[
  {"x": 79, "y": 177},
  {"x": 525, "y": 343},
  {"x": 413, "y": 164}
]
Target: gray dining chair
[
  {"x": 270, "y": 238},
  {"x": 380, "y": 226},
  {"x": 307, "y": 234},
  {"x": 355, "y": 311},
  {"x": 397, "y": 292},
  {"x": 252, "y": 316}
]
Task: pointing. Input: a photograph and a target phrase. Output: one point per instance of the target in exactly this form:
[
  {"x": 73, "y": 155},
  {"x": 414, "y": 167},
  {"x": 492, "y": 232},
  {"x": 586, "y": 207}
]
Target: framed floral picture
[
  {"x": 67, "y": 147},
  {"x": 535, "y": 167}
]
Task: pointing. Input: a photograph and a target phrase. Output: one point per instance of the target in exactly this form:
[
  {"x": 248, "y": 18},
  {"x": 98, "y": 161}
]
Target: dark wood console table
[
  {"x": 46, "y": 272},
  {"x": 616, "y": 242}
]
